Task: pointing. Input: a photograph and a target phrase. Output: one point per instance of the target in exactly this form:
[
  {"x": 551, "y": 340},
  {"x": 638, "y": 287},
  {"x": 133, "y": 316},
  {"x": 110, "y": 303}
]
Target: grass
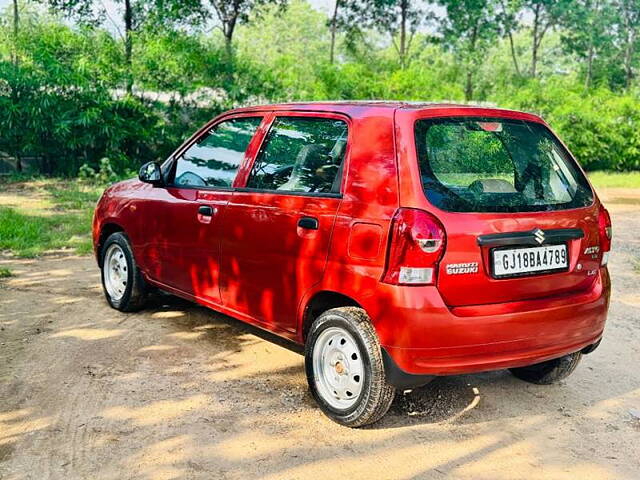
[
  {"x": 47, "y": 215},
  {"x": 5, "y": 272},
  {"x": 603, "y": 179}
]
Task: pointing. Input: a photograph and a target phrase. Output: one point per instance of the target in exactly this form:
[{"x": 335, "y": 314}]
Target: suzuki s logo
[{"x": 538, "y": 235}]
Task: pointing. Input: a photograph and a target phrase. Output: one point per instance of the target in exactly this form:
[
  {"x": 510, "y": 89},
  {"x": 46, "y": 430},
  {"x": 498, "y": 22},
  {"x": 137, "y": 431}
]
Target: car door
[
  {"x": 277, "y": 229},
  {"x": 183, "y": 253}
]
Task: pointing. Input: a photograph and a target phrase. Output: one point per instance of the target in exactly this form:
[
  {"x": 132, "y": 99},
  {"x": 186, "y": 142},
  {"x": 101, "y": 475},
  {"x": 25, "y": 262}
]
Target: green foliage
[
  {"x": 71, "y": 97},
  {"x": 104, "y": 175},
  {"x": 5, "y": 272}
]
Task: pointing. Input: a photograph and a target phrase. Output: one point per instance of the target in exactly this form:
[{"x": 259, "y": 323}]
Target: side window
[
  {"x": 214, "y": 159},
  {"x": 301, "y": 154}
]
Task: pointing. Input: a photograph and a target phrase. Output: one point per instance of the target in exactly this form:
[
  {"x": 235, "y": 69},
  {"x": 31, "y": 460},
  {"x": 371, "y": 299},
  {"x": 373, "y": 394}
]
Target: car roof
[{"x": 364, "y": 107}]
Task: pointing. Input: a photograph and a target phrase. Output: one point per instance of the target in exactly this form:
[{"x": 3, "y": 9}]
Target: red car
[{"x": 396, "y": 241}]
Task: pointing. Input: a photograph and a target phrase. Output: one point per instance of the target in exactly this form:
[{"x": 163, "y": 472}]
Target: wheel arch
[
  {"x": 319, "y": 302},
  {"x": 107, "y": 229}
]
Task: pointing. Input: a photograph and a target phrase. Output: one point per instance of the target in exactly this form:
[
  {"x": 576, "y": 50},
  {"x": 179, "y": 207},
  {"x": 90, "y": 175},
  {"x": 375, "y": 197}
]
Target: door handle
[
  {"x": 205, "y": 213},
  {"x": 308, "y": 223},
  {"x": 205, "y": 210}
]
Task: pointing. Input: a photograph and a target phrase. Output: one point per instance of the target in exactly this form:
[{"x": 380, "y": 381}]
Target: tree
[
  {"x": 230, "y": 13},
  {"x": 588, "y": 33},
  {"x": 333, "y": 24},
  {"x": 398, "y": 18},
  {"x": 628, "y": 34},
  {"x": 15, "y": 59},
  {"x": 507, "y": 21},
  {"x": 547, "y": 14},
  {"x": 135, "y": 15},
  {"x": 469, "y": 29}
]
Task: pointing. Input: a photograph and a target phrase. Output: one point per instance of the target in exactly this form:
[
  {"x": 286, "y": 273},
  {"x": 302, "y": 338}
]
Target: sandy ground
[{"x": 178, "y": 391}]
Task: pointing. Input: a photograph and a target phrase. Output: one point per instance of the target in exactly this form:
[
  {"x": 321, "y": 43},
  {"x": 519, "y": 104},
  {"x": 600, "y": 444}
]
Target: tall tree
[
  {"x": 546, "y": 14},
  {"x": 135, "y": 14},
  {"x": 508, "y": 22},
  {"x": 469, "y": 29},
  {"x": 588, "y": 32},
  {"x": 231, "y": 13},
  {"x": 333, "y": 25},
  {"x": 398, "y": 18},
  {"x": 15, "y": 94},
  {"x": 628, "y": 33}
]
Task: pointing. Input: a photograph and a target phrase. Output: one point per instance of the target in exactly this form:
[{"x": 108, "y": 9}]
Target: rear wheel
[
  {"x": 548, "y": 372},
  {"x": 122, "y": 282},
  {"x": 344, "y": 368}
]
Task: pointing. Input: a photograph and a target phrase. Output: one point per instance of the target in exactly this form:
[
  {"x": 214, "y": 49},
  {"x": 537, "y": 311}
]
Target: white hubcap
[
  {"x": 338, "y": 368},
  {"x": 115, "y": 272}
]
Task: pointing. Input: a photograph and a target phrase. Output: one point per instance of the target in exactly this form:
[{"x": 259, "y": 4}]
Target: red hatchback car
[{"x": 396, "y": 241}]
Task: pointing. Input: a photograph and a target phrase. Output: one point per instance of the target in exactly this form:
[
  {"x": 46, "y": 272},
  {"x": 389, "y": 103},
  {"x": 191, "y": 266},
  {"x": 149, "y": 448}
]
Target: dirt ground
[{"x": 178, "y": 391}]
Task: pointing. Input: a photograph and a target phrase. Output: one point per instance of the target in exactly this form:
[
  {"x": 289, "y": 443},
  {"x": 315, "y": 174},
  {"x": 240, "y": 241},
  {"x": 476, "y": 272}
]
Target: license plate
[{"x": 523, "y": 261}]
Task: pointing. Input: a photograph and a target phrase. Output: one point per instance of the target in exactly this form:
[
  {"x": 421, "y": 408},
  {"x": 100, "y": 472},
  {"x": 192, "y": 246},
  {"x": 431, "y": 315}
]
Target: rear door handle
[
  {"x": 205, "y": 210},
  {"x": 308, "y": 223}
]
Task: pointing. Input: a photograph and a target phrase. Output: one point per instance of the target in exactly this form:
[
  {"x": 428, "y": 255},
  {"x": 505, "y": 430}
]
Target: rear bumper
[{"x": 427, "y": 338}]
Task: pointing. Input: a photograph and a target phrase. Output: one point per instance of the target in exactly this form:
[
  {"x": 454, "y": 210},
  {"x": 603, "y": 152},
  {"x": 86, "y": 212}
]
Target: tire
[
  {"x": 548, "y": 372},
  {"x": 358, "y": 368},
  {"x": 125, "y": 291}
]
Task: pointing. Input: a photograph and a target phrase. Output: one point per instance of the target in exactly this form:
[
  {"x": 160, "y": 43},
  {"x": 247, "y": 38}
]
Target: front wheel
[
  {"x": 122, "y": 282},
  {"x": 344, "y": 367},
  {"x": 548, "y": 372}
]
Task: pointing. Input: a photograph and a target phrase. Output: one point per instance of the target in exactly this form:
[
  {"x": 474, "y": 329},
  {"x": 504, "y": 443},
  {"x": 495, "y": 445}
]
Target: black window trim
[
  {"x": 288, "y": 192},
  {"x": 302, "y": 114}
]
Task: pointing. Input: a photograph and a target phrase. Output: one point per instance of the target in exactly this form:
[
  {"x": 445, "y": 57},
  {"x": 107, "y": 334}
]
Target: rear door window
[
  {"x": 213, "y": 160},
  {"x": 301, "y": 154},
  {"x": 496, "y": 165}
]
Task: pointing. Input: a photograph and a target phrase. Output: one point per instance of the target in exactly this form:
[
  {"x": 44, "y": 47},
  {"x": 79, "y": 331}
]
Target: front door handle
[
  {"x": 205, "y": 210},
  {"x": 205, "y": 213},
  {"x": 308, "y": 223}
]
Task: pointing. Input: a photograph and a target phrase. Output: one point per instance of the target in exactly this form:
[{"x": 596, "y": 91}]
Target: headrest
[{"x": 492, "y": 185}]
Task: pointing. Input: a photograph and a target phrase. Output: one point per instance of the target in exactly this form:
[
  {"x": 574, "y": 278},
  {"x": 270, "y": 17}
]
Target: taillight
[
  {"x": 604, "y": 228},
  {"x": 416, "y": 245}
]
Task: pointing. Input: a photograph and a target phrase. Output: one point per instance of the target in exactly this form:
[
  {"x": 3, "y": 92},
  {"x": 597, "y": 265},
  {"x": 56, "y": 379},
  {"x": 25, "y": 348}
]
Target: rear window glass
[{"x": 497, "y": 165}]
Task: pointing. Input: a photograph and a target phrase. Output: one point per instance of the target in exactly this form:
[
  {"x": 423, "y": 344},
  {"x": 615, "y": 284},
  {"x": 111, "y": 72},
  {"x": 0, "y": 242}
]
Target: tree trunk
[
  {"x": 14, "y": 92},
  {"x": 534, "y": 50},
  {"x": 468, "y": 89},
  {"x": 628, "y": 56},
  {"x": 16, "y": 23},
  {"x": 403, "y": 32},
  {"x": 590, "y": 56},
  {"x": 334, "y": 26},
  {"x": 128, "y": 43},
  {"x": 514, "y": 57}
]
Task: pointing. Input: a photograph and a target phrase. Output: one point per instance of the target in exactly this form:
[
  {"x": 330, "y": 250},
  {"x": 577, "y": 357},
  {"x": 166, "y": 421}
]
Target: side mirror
[{"x": 150, "y": 173}]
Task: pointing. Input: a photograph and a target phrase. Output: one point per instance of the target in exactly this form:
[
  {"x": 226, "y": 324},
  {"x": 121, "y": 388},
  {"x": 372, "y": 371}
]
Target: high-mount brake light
[
  {"x": 606, "y": 233},
  {"x": 416, "y": 246}
]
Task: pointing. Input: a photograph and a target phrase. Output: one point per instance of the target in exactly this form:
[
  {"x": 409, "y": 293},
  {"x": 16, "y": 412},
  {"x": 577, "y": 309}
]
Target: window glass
[
  {"x": 495, "y": 165},
  {"x": 301, "y": 154},
  {"x": 214, "y": 159}
]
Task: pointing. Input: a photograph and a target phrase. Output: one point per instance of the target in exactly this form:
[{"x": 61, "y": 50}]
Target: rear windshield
[{"x": 497, "y": 165}]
